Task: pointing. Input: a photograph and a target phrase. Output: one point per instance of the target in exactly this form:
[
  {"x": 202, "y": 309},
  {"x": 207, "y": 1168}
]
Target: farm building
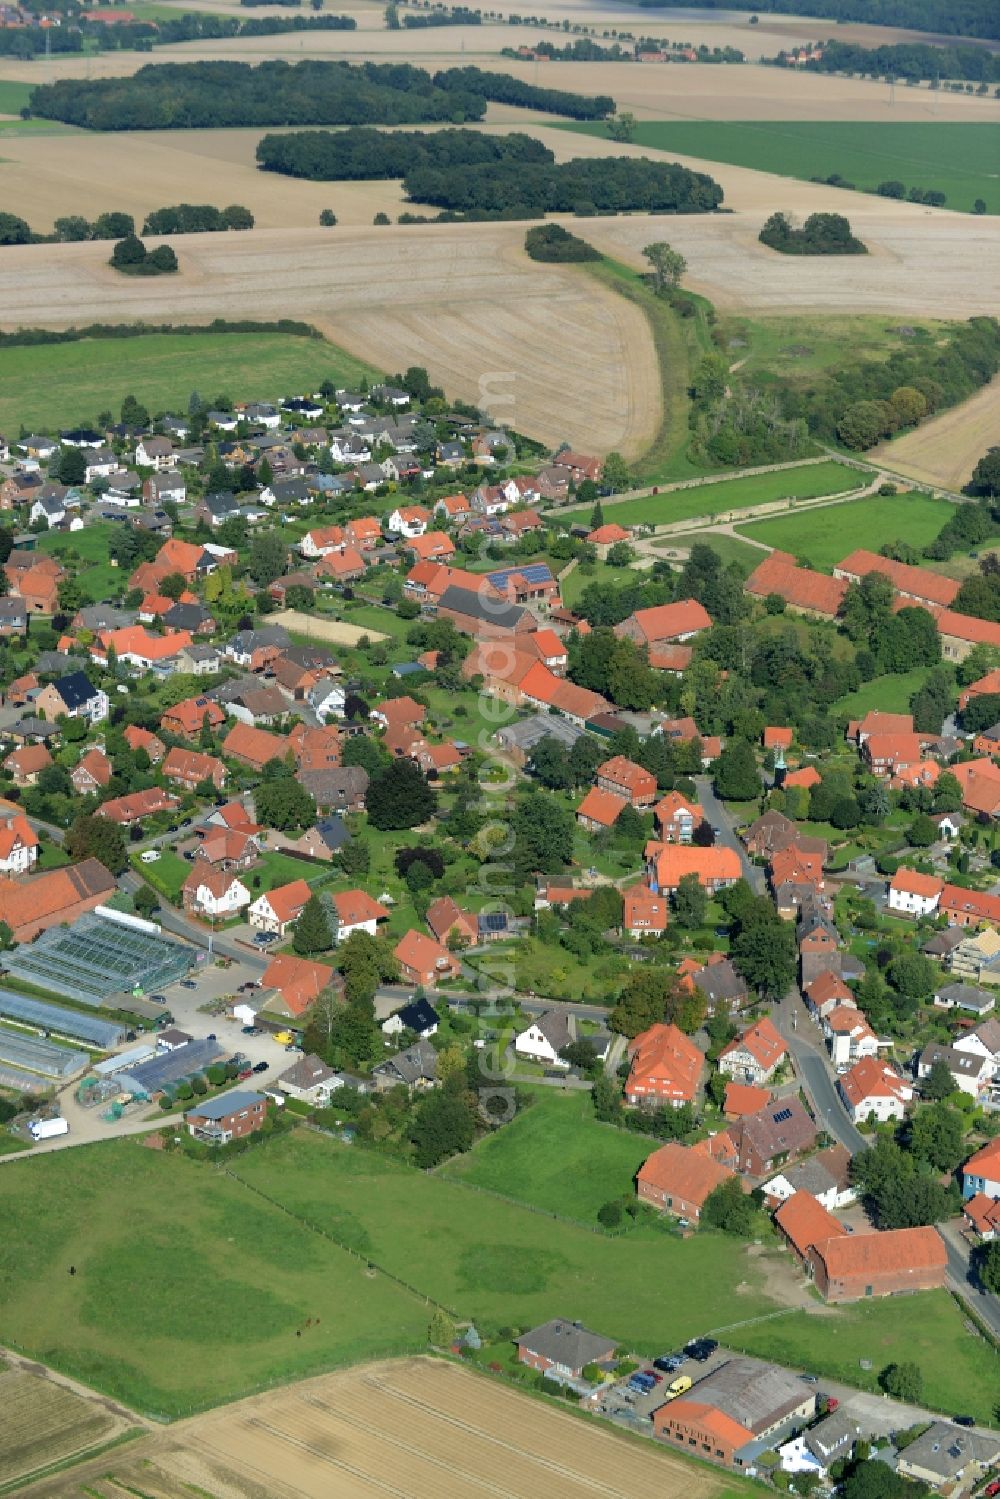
[
  {"x": 170, "y": 1067},
  {"x": 101, "y": 1034},
  {"x": 102, "y": 954}
]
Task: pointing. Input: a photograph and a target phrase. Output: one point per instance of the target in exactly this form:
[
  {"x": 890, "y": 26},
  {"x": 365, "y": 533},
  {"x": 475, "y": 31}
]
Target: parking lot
[{"x": 634, "y": 1409}]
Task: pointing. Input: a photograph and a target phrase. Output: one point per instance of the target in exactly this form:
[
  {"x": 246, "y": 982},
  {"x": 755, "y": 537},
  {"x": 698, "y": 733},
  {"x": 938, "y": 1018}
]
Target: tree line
[
  {"x": 367, "y": 154},
  {"x": 182, "y": 218},
  {"x": 553, "y": 243},
  {"x": 206, "y": 95},
  {"x": 601, "y": 185},
  {"x": 141, "y": 36},
  {"x": 907, "y": 60},
  {"x": 950, "y": 17}
]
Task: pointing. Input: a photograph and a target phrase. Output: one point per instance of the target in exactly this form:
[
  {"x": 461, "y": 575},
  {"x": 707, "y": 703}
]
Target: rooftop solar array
[
  {"x": 101, "y": 1034},
  {"x": 531, "y": 572},
  {"x": 98, "y": 957}
]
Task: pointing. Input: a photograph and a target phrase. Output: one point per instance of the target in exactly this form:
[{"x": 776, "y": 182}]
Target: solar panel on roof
[
  {"x": 782, "y": 1115},
  {"x": 532, "y": 572},
  {"x": 493, "y": 921}
]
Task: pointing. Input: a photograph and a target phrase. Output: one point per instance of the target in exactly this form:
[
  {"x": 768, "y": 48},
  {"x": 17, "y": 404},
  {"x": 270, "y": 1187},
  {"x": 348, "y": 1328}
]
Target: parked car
[
  {"x": 680, "y": 1386},
  {"x": 261, "y": 1067},
  {"x": 264, "y": 939},
  {"x": 992, "y": 1489},
  {"x": 247, "y": 1072},
  {"x": 211, "y": 1036},
  {"x": 964, "y": 1420},
  {"x": 701, "y": 1349},
  {"x": 188, "y": 984},
  {"x": 157, "y": 999},
  {"x": 669, "y": 1362},
  {"x": 252, "y": 1030}
]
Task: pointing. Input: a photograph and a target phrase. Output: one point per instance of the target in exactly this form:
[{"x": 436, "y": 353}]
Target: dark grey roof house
[{"x": 563, "y": 1347}]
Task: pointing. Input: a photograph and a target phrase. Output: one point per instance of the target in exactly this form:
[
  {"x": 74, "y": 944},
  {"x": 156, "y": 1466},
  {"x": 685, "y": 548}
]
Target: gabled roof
[
  {"x": 743, "y": 1099},
  {"x": 680, "y": 1171},
  {"x": 75, "y": 690},
  {"x": 44, "y": 896},
  {"x": 798, "y": 586},
  {"x": 298, "y": 980},
  {"x": 485, "y": 607},
  {"x": 287, "y": 901},
  {"x": 355, "y": 906},
  {"x": 912, "y": 882},
  {"x": 871, "y": 1078},
  {"x": 761, "y": 1041},
  {"x": 422, "y": 953},
  {"x": 855, "y": 1256},
  {"x": 255, "y": 746},
  {"x": 918, "y": 581},
  {"x": 97, "y": 765},
  {"x": 670, "y": 621},
  {"x": 602, "y": 807},
  {"x": 806, "y": 1222}
]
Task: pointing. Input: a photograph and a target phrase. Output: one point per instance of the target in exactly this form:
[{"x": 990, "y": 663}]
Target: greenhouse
[
  {"x": 102, "y": 1035},
  {"x": 102, "y": 955}
]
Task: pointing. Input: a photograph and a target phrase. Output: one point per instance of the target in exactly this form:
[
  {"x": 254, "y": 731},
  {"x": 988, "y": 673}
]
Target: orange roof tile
[
  {"x": 871, "y": 1078},
  {"x": 670, "y": 621},
  {"x": 762, "y": 1042},
  {"x": 287, "y": 901},
  {"x": 354, "y": 907},
  {"x": 298, "y": 980},
  {"x": 625, "y": 772},
  {"x": 643, "y": 910},
  {"x": 889, "y": 1252},
  {"x": 254, "y": 746},
  {"x": 912, "y": 882},
  {"x": 806, "y": 1222},
  {"x": 665, "y": 1064},
  {"x": 744, "y": 1099},
  {"x": 798, "y": 586},
  {"x": 808, "y": 777},
  {"x": 675, "y": 860},
  {"x": 602, "y": 807},
  {"x": 918, "y": 581},
  {"x": 683, "y": 1172},
  {"x": 608, "y": 535},
  {"x": 778, "y": 738}
]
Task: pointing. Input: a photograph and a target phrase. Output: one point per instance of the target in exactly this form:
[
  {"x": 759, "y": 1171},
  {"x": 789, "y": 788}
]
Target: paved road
[
  {"x": 719, "y": 817},
  {"x": 963, "y": 1280},
  {"x": 174, "y": 921}
]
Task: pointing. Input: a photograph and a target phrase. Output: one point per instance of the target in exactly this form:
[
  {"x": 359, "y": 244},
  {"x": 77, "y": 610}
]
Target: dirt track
[{"x": 415, "y": 1428}]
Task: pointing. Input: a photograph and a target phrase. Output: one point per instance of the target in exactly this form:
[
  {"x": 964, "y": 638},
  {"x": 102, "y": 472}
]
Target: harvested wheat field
[
  {"x": 946, "y": 449},
  {"x": 543, "y": 348},
  {"x": 418, "y": 1429},
  {"x": 332, "y": 631},
  {"x": 44, "y": 1421}
]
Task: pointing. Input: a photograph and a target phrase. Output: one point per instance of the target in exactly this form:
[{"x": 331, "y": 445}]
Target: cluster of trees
[
  {"x": 502, "y": 88},
  {"x": 980, "y": 593},
  {"x": 459, "y": 15},
  {"x": 950, "y": 17},
  {"x": 197, "y": 218},
  {"x": 177, "y": 96},
  {"x": 367, "y": 154},
  {"x": 898, "y": 642},
  {"x": 893, "y": 188},
  {"x": 132, "y": 258},
  {"x": 821, "y": 234},
  {"x": 29, "y": 41},
  {"x": 900, "y": 1187},
  {"x": 986, "y": 475},
  {"x": 863, "y": 401},
  {"x": 551, "y": 242},
  {"x": 16, "y": 231},
  {"x": 916, "y": 60},
  {"x": 601, "y": 185},
  {"x": 967, "y": 527}
]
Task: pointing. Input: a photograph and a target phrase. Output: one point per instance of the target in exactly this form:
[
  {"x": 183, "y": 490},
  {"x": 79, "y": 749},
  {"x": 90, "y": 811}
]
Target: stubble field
[
  {"x": 946, "y": 449},
  {"x": 419, "y": 1427}
]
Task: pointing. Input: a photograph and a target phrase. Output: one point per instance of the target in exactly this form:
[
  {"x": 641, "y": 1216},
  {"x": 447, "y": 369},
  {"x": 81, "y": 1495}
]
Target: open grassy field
[
  {"x": 802, "y": 347},
  {"x": 556, "y": 1155},
  {"x": 214, "y": 1321},
  {"x": 719, "y": 497},
  {"x": 961, "y": 1371},
  {"x": 958, "y": 159},
  {"x": 822, "y": 537},
  {"x": 13, "y": 96},
  {"x": 442, "y": 1431},
  {"x": 889, "y": 694},
  {"x": 729, "y": 548},
  {"x": 56, "y": 385}
]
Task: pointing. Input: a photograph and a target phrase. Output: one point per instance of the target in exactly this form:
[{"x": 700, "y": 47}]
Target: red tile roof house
[
  {"x": 776, "y": 738},
  {"x": 743, "y": 1099},
  {"x": 805, "y": 592},
  {"x": 399, "y": 712},
  {"x": 916, "y": 584},
  {"x": 678, "y": 1178},
  {"x": 297, "y": 982},
  {"x": 887, "y": 753},
  {"x": 254, "y": 747},
  {"x": 982, "y": 1214},
  {"x": 18, "y": 844},
  {"x": 625, "y": 778},
  {"x": 665, "y": 1066},
  {"x": 228, "y": 849},
  {"x": 137, "y": 805},
  {"x": 142, "y": 739},
  {"x": 27, "y": 763},
  {"x": 972, "y": 908},
  {"x": 808, "y": 777},
  {"x": 806, "y": 1223},
  {"x": 800, "y": 865},
  {"x": 665, "y": 623},
  {"x": 214, "y": 894},
  {"x": 54, "y": 898},
  {"x": 755, "y": 1056},
  {"x": 599, "y": 810},
  {"x": 187, "y": 719},
  {"x": 92, "y": 773},
  {"x": 766, "y": 1140},
  {"x": 188, "y": 768},
  {"x": 279, "y": 909},
  {"x": 985, "y": 686},
  {"x": 826, "y": 993},
  {"x": 667, "y": 864},
  {"x": 677, "y": 817},
  {"x": 981, "y": 1172},
  {"x": 444, "y": 916},
  {"x": 644, "y": 914},
  {"x": 914, "y": 894},
  {"x": 424, "y": 961},
  {"x": 356, "y": 912},
  {"x": 433, "y": 546},
  {"x": 850, "y": 1267},
  {"x": 873, "y": 1090}
]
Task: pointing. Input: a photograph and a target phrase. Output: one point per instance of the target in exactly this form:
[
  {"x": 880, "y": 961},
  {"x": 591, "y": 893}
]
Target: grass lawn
[
  {"x": 88, "y": 545},
  {"x": 166, "y": 874},
  {"x": 800, "y": 348},
  {"x": 556, "y": 1155},
  {"x": 558, "y": 974},
  {"x": 377, "y": 617},
  {"x": 14, "y": 96},
  {"x": 573, "y": 586},
  {"x": 277, "y": 868},
  {"x": 503, "y": 1264},
  {"x": 889, "y": 694},
  {"x": 723, "y": 495},
  {"x": 961, "y": 1371},
  {"x": 58, "y": 385},
  {"x": 51, "y": 856},
  {"x": 958, "y": 159},
  {"x": 211, "y": 1323},
  {"x": 729, "y": 548},
  {"x": 823, "y": 537}
]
